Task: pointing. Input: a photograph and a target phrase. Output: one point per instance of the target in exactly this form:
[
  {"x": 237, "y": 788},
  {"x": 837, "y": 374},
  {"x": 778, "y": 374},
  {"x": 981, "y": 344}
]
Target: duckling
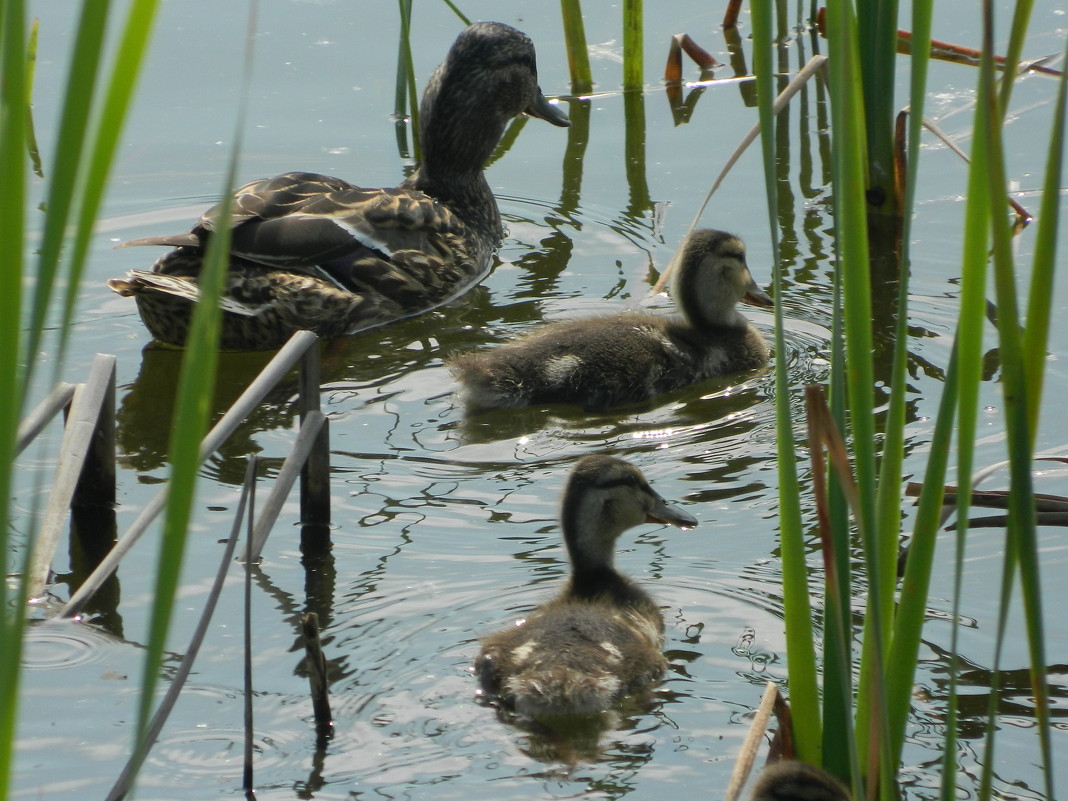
[
  {"x": 314, "y": 252},
  {"x": 605, "y": 361},
  {"x": 601, "y": 637},
  {"x": 797, "y": 781}
]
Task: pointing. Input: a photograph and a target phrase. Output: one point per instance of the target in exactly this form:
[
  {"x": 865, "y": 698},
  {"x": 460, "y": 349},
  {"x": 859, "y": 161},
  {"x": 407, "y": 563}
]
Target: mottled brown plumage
[
  {"x": 797, "y": 781},
  {"x": 613, "y": 360},
  {"x": 314, "y": 252},
  {"x": 601, "y": 638}
]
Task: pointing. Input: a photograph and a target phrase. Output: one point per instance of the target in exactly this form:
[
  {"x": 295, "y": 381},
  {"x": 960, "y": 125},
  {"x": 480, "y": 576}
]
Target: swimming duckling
[
  {"x": 601, "y": 638},
  {"x": 605, "y": 361},
  {"x": 314, "y": 252},
  {"x": 797, "y": 781}
]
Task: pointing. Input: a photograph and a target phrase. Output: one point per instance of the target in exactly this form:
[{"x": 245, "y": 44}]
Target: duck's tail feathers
[
  {"x": 171, "y": 240},
  {"x": 142, "y": 282}
]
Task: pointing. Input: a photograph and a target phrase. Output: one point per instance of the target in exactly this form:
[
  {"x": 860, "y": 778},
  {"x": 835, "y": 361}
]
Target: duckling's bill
[
  {"x": 755, "y": 296},
  {"x": 664, "y": 512},
  {"x": 544, "y": 110}
]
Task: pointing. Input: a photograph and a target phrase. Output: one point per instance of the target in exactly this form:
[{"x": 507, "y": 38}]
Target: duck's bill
[
  {"x": 544, "y": 110},
  {"x": 663, "y": 512},
  {"x": 755, "y": 296}
]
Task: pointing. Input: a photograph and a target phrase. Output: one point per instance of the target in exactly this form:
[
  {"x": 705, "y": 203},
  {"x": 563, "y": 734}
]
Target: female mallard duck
[
  {"x": 600, "y": 362},
  {"x": 310, "y": 251},
  {"x": 797, "y": 781},
  {"x": 601, "y": 637}
]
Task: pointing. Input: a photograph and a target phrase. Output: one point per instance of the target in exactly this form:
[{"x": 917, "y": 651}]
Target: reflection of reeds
[{"x": 868, "y": 746}]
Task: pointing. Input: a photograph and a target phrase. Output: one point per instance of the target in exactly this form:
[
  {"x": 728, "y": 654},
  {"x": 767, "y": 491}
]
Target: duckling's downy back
[
  {"x": 601, "y": 637},
  {"x": 614, "y": 360}
]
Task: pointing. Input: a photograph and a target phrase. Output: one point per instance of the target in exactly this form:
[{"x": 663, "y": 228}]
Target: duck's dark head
[
  {"x": 604, "y": 497},
  {"x": 712, "y": 277},
  {"x": 489, "y": 76}
]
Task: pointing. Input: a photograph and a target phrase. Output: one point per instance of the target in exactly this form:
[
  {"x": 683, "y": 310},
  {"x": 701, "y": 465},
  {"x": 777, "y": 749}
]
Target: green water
[{"x": 445, "y": 528}]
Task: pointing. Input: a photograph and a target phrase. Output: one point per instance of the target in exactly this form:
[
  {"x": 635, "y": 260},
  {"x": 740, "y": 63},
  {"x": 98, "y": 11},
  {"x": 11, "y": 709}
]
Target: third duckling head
[
  {"x": 604, "y": 497},
  {"x": 711, "y": 277}
]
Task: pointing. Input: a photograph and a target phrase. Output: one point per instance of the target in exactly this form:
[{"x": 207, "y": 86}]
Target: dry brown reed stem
[{"x": 743, "y": 765}]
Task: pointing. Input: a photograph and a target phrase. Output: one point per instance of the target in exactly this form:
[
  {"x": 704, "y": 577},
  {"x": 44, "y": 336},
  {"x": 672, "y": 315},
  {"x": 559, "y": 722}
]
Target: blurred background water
[{"x": 445, "y": 528}]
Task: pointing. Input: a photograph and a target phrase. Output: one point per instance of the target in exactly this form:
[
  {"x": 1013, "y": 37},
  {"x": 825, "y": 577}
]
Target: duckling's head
[
  {"x": 797, "y": 781},
  {"x": 712, "y": 277},
  {"x": 489, "y": 76},
  {"x": 604, "y": 497}
]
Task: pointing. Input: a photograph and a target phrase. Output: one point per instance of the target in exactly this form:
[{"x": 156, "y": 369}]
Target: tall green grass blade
[
  {"x": 804, "y": 688},
  {"x": 1022, "y": 533},
  {"x": 116, "y": 102},
  {"x": 839, "y": 737},
  {"x": 192, "y": 412},
  {"x": 406, "y": 102},
  {"x": 969, "y": 345},
  {"x": 82, "y": 80},
  {"x": 13, "y": 112},
  {"x": 578, "y": 56},
  {"x": 912, "y": 612},
  {"x": 456, "y": 10},
  {"x": 848, "y": 127},
  {"x": 877, "y": 33},
  {"x": 633, "y": 56},
  {"x": 1040, "y": 301},
  {"x": 31, "y": 69},
  {"x": 907, "y": 626}
]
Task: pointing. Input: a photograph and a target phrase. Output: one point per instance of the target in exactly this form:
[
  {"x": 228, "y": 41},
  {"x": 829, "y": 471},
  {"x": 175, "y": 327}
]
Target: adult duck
[
  {"x": 313, "y": 252},
  {"x": 613, "y": 360},
  {"x": 602, "y": 636}
]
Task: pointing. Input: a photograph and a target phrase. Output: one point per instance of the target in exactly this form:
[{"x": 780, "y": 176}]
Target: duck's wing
[{"x": 315, "y": 224}]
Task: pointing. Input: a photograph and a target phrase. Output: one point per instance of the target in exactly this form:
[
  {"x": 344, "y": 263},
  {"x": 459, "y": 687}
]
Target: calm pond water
[{"x": 445, "y": 529}]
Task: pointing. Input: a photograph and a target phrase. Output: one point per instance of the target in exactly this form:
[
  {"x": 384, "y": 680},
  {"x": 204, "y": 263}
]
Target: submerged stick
[
  {"x": 313, "y": 647},
  {"x": 123, "y": 783}
]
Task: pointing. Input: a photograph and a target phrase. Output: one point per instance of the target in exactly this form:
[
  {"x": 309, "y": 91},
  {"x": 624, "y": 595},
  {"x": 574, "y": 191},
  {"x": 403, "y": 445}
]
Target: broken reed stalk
[
  {"x": 770, "y": 702},
  {"x": 316, "y": 661}
]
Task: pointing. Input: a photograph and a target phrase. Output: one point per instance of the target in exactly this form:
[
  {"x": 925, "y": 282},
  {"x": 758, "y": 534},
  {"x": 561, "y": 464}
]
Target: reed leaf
[
  {"x": 804, "y": 689},
  {"x": 13, "y": 113},
  {"x": 82, "y": 80},
  {"x": 196, "y": 386},
  {"x": 1022, "y": 535},
  {"x": 849, "y": 168}
]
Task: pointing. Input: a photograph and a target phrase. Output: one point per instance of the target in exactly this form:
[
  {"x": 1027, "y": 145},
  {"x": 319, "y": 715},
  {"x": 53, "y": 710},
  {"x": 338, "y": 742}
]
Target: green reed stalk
[
  {"x": 578, "y": 56},
  {"x": 1022, "y": 536},
  {"x": 877, "y": 35},
  {"x": 848, "y": 125},
  {"x": 13, "y": 126},
  {"x": 70, "y": 153},
  {"x": 76, "y": 183},
  {"x": 804, "y": 689},
  {"x": 193, "y": 408},
  {"x": 633, "y": 57}
]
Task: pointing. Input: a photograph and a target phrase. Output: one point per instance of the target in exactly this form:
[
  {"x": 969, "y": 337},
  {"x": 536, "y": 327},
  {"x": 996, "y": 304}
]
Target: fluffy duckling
[
  {"x": 602, "y": 636},
  {"x": 797, "y": 781},
  {"x": 314, "y": 252},
  {"x": 606, "y": 361}
]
